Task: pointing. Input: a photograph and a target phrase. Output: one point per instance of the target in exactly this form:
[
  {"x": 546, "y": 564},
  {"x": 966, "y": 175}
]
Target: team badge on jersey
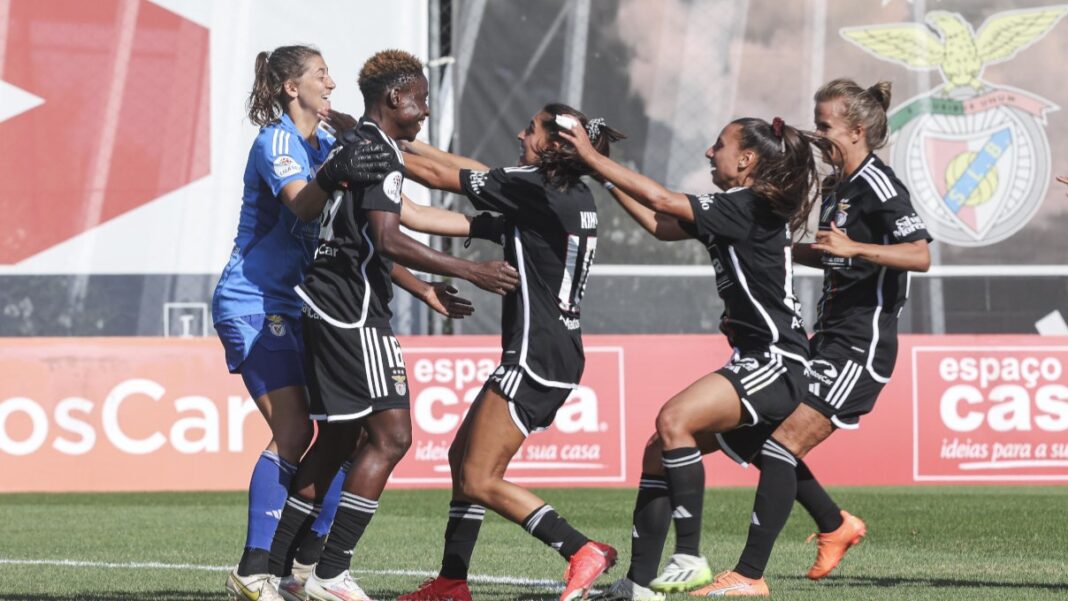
[
  {"x": 285, "y": 165},
  {"x": 276, "y": 324},
  {"x": 400, "y": 383},
  {"x": 392, "y": 186},
  {"x": 842, "y": 216},
  {"x": 974, "y": 155}
]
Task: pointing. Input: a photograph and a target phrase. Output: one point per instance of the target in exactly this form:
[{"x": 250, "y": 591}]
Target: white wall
[{"x": 191, "y": 230}]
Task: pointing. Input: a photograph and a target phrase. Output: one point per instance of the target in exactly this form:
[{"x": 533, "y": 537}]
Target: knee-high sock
[
  {"x": 816, "y": 501},
  {"x": 547, "y": 526},
  {"x": 651, "y": 522},
  {"x": 297, "y": 517},
  {"x": 267, "y": 491},
  {"x": 310, "y": 546},
  {"x": 774, "y": 500},
  {"x": 354, "y": 513},
  {"x": 686, "y": 486},
  {"x": 330, "y": 501},
  {"x": 461, "y": 534}
]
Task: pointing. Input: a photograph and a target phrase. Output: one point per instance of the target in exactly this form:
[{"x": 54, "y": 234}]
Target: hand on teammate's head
[
  {"x": 339, "y": 121},
  {"x": 576, "y": 136}
]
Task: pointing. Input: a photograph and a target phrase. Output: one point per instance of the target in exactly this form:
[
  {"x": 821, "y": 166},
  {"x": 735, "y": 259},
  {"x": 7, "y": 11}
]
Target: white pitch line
[{"x": 155, "y": 565}]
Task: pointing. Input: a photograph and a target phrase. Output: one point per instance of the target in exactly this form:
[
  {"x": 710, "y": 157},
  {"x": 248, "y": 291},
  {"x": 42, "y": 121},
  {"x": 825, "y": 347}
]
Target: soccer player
[
  {"x": 869, "y": 239},
  {"x": 255, "y": 309},
  {"x": 356, "y": 375},
  {"x": 548, "y": 227},
  {"x": 769, "y": 174}
]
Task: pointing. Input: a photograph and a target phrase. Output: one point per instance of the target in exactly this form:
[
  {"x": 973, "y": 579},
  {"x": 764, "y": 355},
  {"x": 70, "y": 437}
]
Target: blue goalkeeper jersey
[{"x": 273, "y": 247}]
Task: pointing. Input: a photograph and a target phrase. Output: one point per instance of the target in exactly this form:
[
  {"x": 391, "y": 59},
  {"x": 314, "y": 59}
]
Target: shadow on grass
[
  {"x": 483, "y": 592},
  {"x": 899, "y": 581}
]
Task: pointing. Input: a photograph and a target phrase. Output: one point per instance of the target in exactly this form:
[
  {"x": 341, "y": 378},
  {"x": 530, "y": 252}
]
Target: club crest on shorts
[
  {"x": 400, "y": 383},
  {"x": 276, "y": 324},
  {"x": 746, "y": 363},
  {"x": 973, "y": 154}
]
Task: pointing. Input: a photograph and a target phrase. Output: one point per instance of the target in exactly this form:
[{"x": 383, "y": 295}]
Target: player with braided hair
[
  {"x": 357, "y": 382},
  {"x": 255, "y": 309}
]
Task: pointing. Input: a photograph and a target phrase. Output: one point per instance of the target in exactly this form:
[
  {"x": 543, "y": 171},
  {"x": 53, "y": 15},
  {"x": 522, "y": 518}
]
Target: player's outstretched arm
[
  {"x": 432, "y": 174},
  {"x": 434, "y": 220},
  {"x": 455, "y": 161},
  {"x": 493, "y": 276},
  {"x": 439, "y": 296},
  {"x": 340, "y": 122},
  {"x": 643, "y": 189},
  {"x": 906, "y": 256},
  {"x": 661, "y": 226}
]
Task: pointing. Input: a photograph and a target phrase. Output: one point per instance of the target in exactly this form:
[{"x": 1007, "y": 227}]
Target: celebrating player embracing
[{"x": 356, "y": 375}]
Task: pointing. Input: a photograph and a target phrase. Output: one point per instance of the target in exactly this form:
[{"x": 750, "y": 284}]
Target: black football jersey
[
  {"x": 348, "y": 284},
  {"x": 861, "y": 301},
  {"x": 550, "y": 237},
  {"x": 751, "y": 252}
]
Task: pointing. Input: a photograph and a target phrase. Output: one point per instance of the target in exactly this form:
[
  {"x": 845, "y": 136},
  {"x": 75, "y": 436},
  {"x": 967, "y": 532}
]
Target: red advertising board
[
  {"x": 126, "y": 87},
  {"x": 991, "y": 412},
  {"x": 585, "y": 445},
  {"x": 163, "y": 414}
]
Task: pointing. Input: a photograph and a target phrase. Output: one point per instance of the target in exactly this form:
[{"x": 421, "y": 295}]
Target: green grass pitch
[{"x": 923, "y": 543}]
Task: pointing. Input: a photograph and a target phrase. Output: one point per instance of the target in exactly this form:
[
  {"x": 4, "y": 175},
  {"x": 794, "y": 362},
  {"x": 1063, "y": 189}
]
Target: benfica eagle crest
[{"x": 974, "y": 155}]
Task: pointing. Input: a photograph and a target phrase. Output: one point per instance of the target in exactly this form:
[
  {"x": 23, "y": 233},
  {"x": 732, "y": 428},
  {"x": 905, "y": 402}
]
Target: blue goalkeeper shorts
[{"x": 267, "y": 350}]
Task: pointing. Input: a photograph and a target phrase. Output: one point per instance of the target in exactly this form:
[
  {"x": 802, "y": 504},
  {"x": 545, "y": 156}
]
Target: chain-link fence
[{"x": 670, "y": 74}]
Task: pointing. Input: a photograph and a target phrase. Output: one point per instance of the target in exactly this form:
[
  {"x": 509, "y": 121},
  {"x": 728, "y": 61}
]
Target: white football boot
[
  {"x": 682, "y": 573},
  {"x": 255, "y": 587},
  {"x": 343, "y": 587}
]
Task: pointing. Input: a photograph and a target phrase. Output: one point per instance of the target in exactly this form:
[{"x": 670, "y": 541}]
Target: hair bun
[
  {"x": 881, "y": 93},
  {"x": 776, "y": 127}
]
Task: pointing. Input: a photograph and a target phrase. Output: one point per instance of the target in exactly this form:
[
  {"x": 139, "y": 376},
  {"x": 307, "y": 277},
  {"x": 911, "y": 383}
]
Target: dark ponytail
[
  {"x": 785, "y": 173},
  {"x": 560, "y": 163},
  {"x": 267, "y": 100}
]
